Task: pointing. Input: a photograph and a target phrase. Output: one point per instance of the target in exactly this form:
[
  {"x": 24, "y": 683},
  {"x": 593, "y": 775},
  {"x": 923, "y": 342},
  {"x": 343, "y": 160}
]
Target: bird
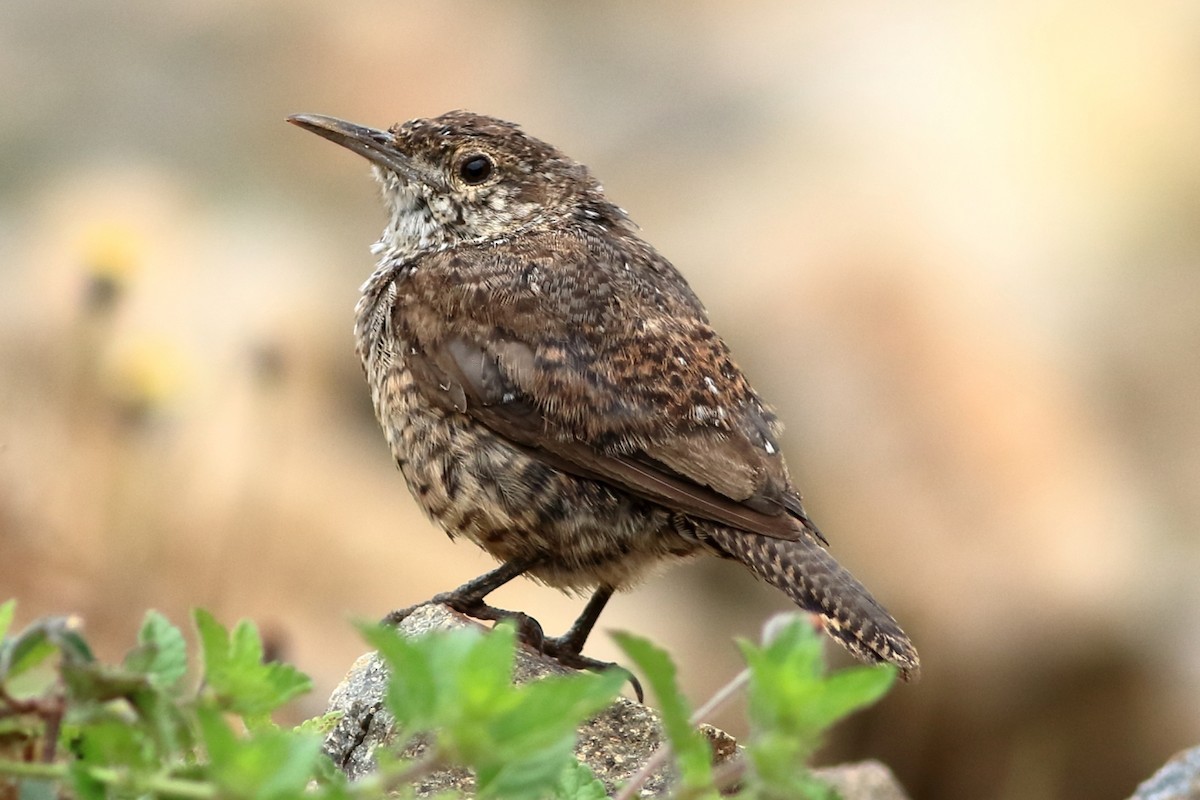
[{"x": 552, "y": 389}]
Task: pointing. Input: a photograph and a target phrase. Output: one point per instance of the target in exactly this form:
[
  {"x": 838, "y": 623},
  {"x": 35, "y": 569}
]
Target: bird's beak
[{"x": 376, "y": 146}]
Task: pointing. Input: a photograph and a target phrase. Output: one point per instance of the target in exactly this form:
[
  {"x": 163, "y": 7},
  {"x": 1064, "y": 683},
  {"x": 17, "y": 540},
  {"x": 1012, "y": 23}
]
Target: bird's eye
[{"x": 475, "y": 168}]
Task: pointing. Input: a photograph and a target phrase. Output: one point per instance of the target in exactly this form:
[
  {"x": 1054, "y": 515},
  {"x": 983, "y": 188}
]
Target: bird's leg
[
  {"x": 570, "y": 644},
  {"x": 568, "y": 648},
  {"x": 468, "y": 600}
]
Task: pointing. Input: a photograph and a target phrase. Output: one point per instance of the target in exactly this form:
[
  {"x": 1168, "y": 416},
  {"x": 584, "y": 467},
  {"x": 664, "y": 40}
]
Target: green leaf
[
  {"x": 853, "y": 688},
  {"x": 483, "y": 670},
  {"x": 788, "y": 689},
  {"x": 8, "y": 610},
  {"x": 578, "y": 783},
  {"x": 530, "y": 744},
  {"x": 446, "y": 678},
  {"x": 24, "y": 659},
  {"x": 412, "y": 694},
  {"x": 98, "y": 692},
  {"x": 71, "y": 643},
  {"x": 218, "y": 738},
  {"x": 36, "y": 643},
  {"x": 792, "y": 704},
  {"x": 27, "y": 651},
  {"x": 111, "y": 743},
  {"x": 691, "y": 750},
  {"x": 246, "y": 645},
  {"x": 99, "y": 683},
  {"x": 85, "y": 785},
  {"x": 528, "y": 778},
  {"x": 322, "y": 725},
  {"x": 214, "y": 641},
  {"x": 549, "y": 710},
  {"x": 458, "y": 684},
  {"x": 235, "y": 675},
  {"x": 161, "y": 652},
  {"x": 268, "y": 764},
  {"x": 290, "y": 762}
]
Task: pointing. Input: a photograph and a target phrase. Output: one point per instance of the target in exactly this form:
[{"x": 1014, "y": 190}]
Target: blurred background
[{"x": 956, "y": 245}]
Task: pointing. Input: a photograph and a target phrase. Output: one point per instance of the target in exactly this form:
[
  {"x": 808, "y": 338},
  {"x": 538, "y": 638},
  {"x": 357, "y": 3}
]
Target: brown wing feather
[
  {"x": 550, "y": 358},
  {"x": 460, "y": 370}
]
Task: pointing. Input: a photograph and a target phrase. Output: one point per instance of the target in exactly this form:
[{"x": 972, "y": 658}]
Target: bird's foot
[
  {"x": 565, "y": 650},
  {"x": 561, "y": 649},
  {"x": 529, "y": 630}
]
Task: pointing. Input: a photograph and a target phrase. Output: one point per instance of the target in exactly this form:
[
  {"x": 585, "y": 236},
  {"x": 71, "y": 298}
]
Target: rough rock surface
[
  {"x": 614, "y": 744},
  {"x": 1179, "y": 779}
]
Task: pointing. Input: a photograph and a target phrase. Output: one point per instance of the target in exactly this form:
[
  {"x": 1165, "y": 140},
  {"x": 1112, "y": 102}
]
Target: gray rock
[
  {"x": 866, "y": 780},
  {"x": 1179, "y": 779},
  {"x": 615, "y": 744}
]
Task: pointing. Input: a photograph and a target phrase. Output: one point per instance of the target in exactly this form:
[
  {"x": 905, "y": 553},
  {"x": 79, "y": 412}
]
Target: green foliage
[
  {"x": 793, "y": 701},
  {"x": 236, "y": 676},
  {"x": 578, "y": 783},
  {"x": 99, "y": 730},
  {"x": 692, "y": 755},
  {"x": 24, "y": 658},
  {"x": 161, "y": 653},
  {"x": 8, "y": 609},
  {"x": 270, "y": 763},
  {"x": 71, "y": 726},
  {"x": 519, "y": 740}
]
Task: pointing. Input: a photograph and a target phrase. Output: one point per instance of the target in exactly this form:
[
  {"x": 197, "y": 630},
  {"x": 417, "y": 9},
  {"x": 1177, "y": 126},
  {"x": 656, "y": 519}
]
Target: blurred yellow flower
[
  {"x": 112, "y": 253},
  {"x": 145, "y": 375}
]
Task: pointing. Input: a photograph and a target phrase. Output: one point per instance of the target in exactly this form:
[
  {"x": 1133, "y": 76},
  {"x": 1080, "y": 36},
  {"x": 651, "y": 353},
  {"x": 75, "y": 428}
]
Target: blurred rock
[
  {"x": 1179, "y": 779},
  {"x": 866, "y": 780}
]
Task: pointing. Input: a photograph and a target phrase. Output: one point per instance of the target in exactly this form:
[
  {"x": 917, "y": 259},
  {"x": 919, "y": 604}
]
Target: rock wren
[{"x": 552, "y": 390}]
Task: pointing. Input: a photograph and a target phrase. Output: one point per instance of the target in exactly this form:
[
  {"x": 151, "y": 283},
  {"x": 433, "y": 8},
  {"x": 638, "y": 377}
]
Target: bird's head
[{"x": 465, "y": 177}]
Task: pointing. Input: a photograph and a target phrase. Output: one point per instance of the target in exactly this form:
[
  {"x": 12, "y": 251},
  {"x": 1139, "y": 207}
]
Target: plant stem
[
  {"x": 660, "y": 756},
  {"x": 33, "y": 769},
  {"x": 721, "y": 696},
  {"x": 163, "y": 785}
]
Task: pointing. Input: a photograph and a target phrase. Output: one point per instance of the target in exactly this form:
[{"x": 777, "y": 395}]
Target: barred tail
[{"x": 817, "y": 583}]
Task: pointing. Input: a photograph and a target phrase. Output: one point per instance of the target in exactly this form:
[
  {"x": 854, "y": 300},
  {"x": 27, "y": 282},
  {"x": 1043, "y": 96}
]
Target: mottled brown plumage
[{"x": 552, "y": 390}]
